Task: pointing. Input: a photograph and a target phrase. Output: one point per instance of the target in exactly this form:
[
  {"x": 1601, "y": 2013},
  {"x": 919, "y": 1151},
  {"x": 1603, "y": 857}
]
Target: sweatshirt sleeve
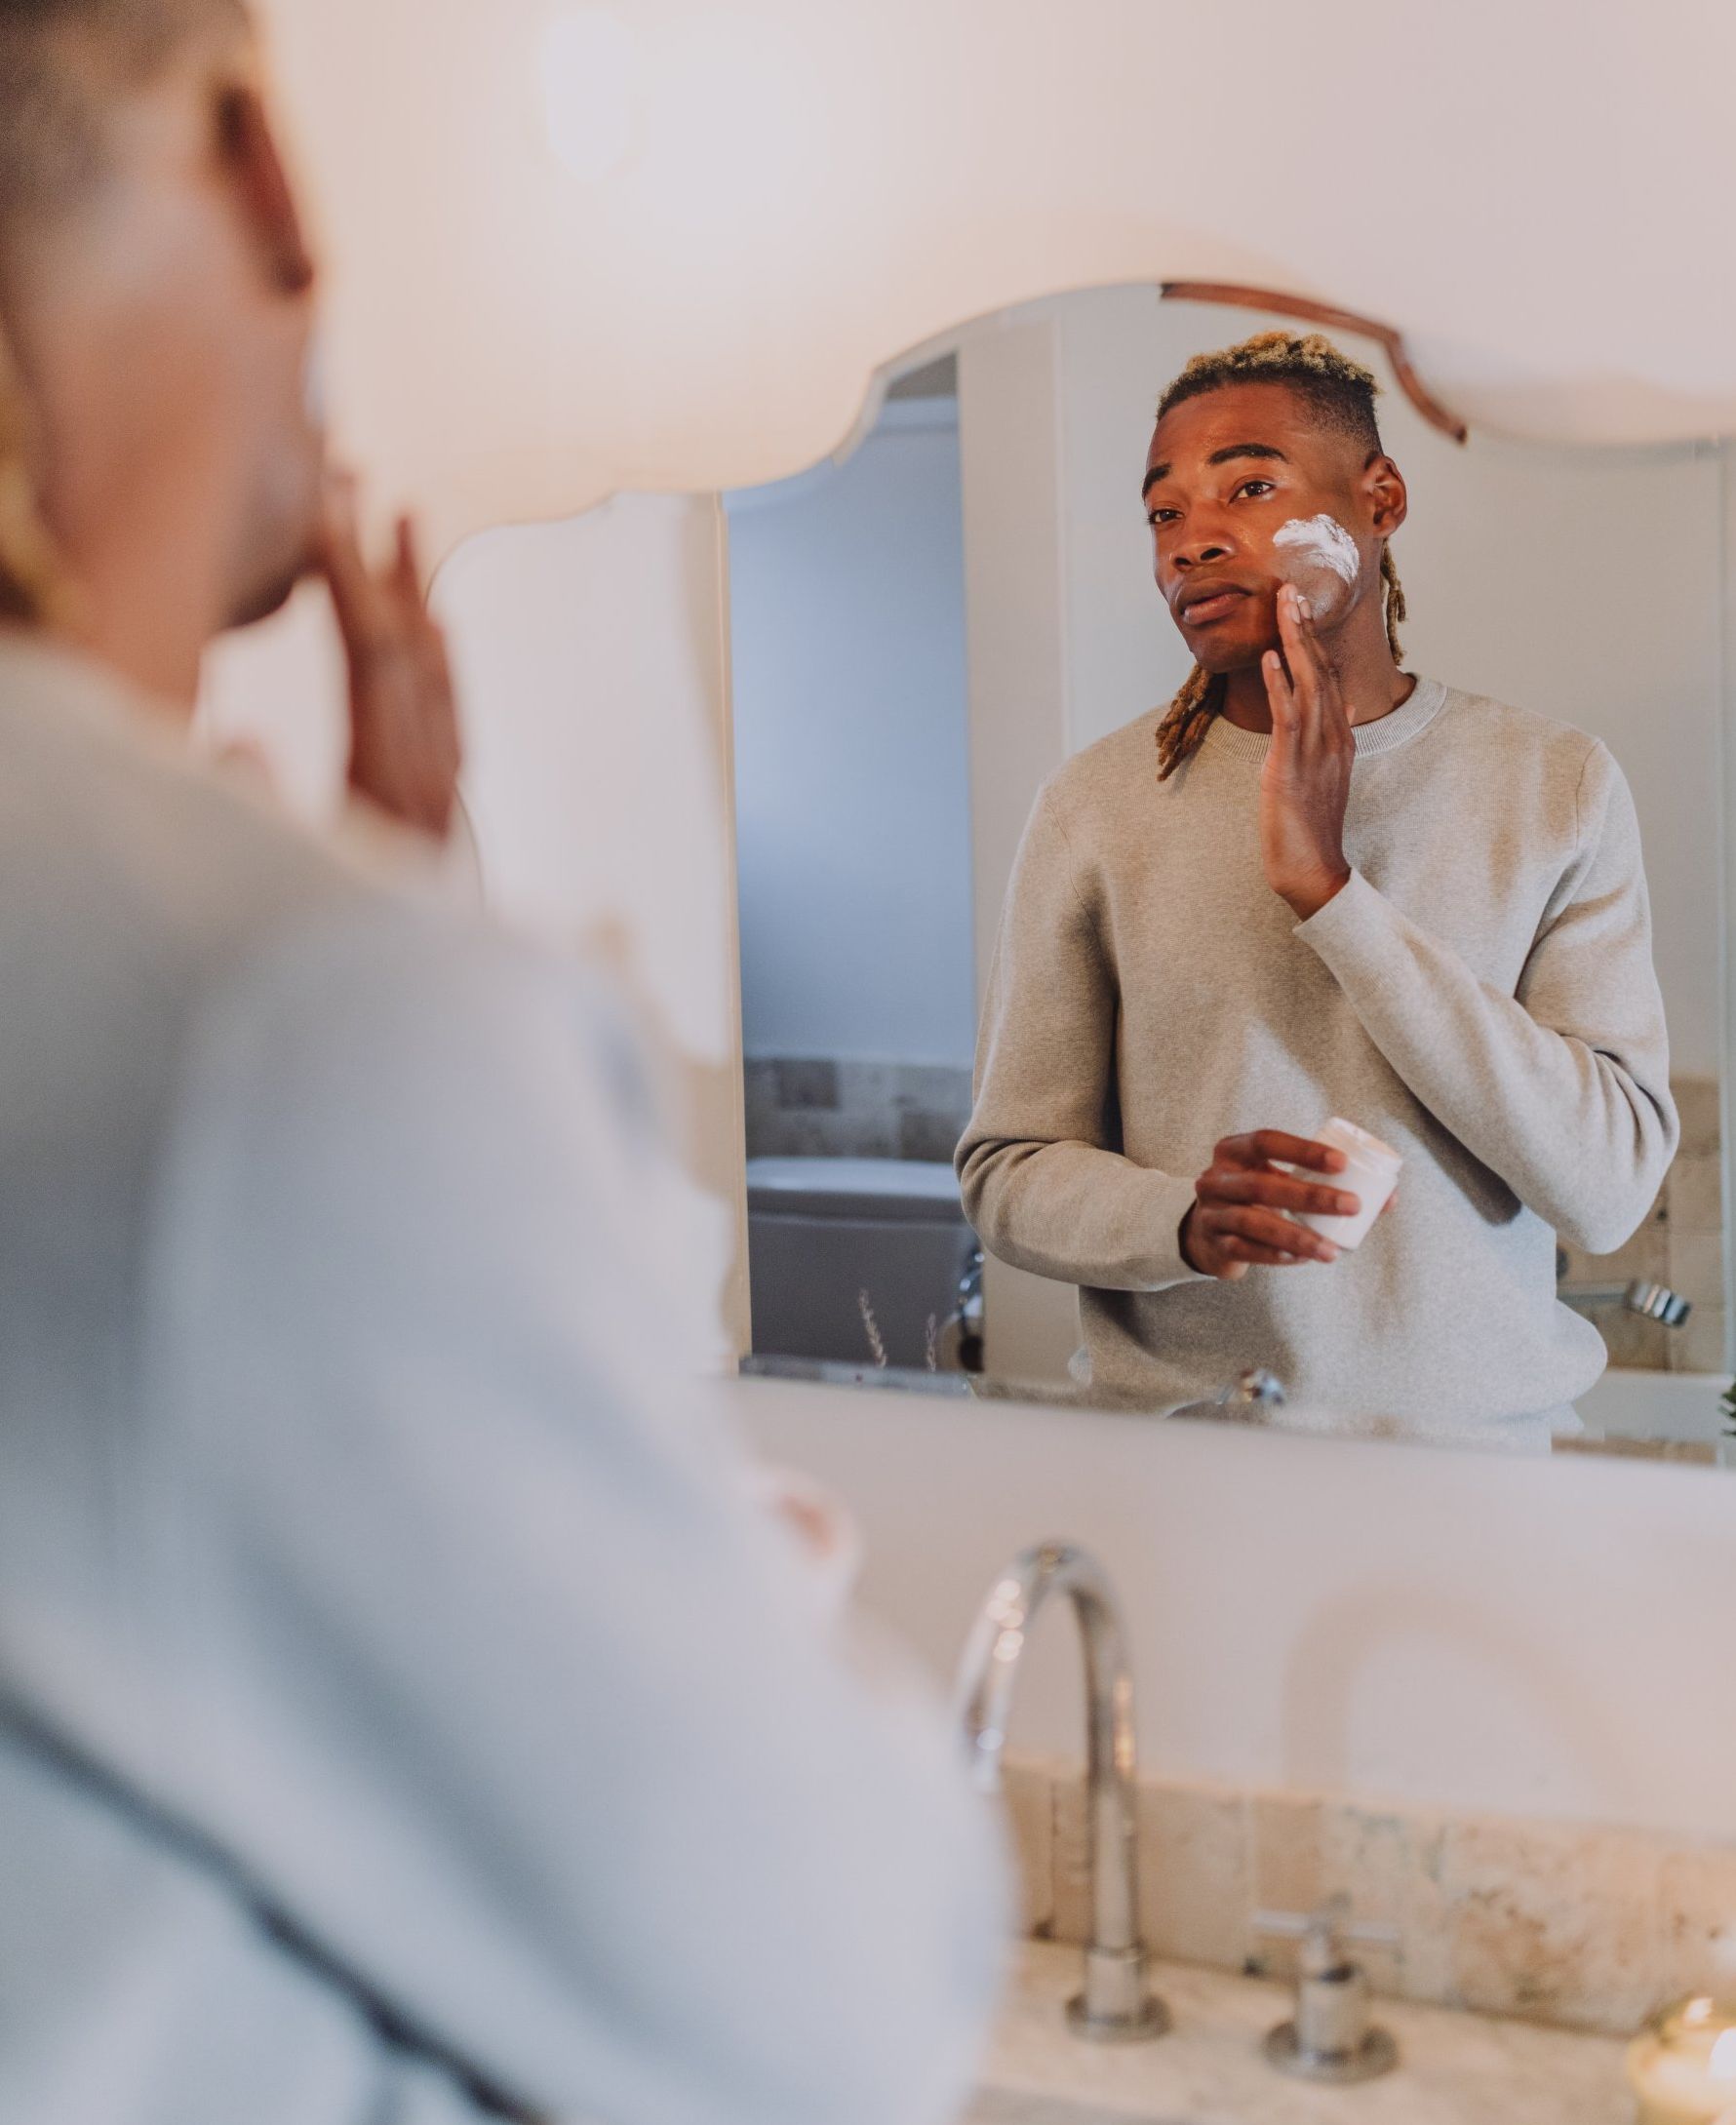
[
  {"x": 1562, "y": 1088},
  {"x": 1040, "y": 1183},
  {"x": 501, "y": 1695}
]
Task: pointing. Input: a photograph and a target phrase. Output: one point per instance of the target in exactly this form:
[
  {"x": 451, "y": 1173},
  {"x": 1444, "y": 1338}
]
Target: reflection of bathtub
[
  {"x": 847, "y": 1253},
  {"x": 1675, "y": 1405}
]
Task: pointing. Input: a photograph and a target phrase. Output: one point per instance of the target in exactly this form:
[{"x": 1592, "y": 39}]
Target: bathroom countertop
[{"x": 1454, "y": 2068}]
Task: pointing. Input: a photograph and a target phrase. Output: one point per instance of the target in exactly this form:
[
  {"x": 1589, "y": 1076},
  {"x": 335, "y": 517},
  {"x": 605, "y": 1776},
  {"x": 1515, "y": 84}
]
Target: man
[
  {"x": 1319, "y": 885},
  {"x": 400, "y": 1715}
]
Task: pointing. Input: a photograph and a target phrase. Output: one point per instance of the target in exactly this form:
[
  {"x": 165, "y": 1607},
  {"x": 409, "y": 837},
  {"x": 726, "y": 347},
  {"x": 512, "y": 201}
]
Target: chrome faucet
[{"x": 1116, "y": 2006}]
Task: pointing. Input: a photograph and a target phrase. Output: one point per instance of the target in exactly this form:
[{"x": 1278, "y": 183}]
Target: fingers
[
  {"x": 1262, "y": 1146},
  {"x": 407, "y": 568},
  {"x": 1235, "y": 1248},
  {"x": 340, "y": 556},
  {"x": 1318, "y": 707},
  {"x": 1280, "y": 696},
  {"x": 1254, "y": 1225},
  {"x": 1280, "y": 1190},
  {"x": 404, "y": 745},
  {"x": 1252, "y": 1233}
]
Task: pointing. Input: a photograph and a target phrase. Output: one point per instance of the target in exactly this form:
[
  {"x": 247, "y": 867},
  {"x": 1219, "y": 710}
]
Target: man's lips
[{"x": 1200, "y": 604}]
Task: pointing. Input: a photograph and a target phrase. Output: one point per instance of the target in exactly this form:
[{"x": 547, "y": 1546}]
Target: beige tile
[
  {"x": 1386, "y": 1864},
  {"x": 1697, "y": 1266},
  {"x": 1284, "y": 1851},
  {"x": 1695, "y": 1193},
  {"x": 1699, "y": 1345},
  {"x": 1553, "y": 1922},
  {"x": 1286, "y": 1865},
  {"x": 1632, "y": 1342},
  {"x": 1697, "y": 1102},
  {"x": 1196, "y": 1891},
  {"x": 1646, "y": 1254},
  {"x": 1071, "y": 1918},
  {"x": 1027, "y": 1786},
  {"x": 1386, "y": 1861},
  {"x": 1426, "y": 1950},
  {"x": 1697, "y": 1906}
]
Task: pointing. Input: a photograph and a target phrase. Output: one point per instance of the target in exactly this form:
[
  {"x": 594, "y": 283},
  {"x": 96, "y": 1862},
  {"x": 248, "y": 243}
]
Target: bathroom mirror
[{"x": 927, "y": 628}]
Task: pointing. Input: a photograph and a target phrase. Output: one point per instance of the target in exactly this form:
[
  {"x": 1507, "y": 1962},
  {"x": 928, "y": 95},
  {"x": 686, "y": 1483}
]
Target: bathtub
[{"x": 1628, "y": 1403}]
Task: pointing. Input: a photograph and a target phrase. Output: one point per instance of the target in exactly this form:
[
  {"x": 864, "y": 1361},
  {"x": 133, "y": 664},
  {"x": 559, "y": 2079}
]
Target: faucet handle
[
  {"x": 1323, "y": 1933},
  {"x": 1331, "y": 2037}
]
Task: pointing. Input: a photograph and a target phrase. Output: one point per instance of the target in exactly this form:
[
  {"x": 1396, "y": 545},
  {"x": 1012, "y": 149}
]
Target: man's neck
[
  {"x": 144, "y": 547},
  {"x": 136, "y": 638},
  {"x": 1373, "y": 685}
]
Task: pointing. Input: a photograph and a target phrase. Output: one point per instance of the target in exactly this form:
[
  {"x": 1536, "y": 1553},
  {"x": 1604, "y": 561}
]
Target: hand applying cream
[{"x": 1305, "y": 783}]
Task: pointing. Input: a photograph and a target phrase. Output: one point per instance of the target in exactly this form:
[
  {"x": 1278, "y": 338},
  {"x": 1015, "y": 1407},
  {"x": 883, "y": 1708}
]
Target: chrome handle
[{"x": 1329, "y": 2038}]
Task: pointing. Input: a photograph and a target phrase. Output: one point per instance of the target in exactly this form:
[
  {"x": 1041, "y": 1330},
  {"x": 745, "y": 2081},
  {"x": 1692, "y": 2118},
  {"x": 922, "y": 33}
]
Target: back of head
[
  {"x": 60, "y": 62},
  {"x": 152, "y": 303},
  {"x": 65, "y": 66}
]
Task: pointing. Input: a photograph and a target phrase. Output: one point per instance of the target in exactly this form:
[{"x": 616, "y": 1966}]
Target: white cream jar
[{"x": 1370, "y": 1175}]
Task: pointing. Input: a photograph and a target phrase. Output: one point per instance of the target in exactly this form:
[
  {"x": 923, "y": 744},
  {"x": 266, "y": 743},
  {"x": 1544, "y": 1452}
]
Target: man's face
[
  {"x": 269, "y": 331},
  {"x": 161, "y": 307},
  {"x": 1247, "y": 490},
  {"x": 280, "y": 503}
]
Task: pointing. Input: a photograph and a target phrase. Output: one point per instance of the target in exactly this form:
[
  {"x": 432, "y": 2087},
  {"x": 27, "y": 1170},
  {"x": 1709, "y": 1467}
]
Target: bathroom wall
[
  {"x": 816, "y": 1107},
  {"x": 852, "y": 812},
  {"x": 1539, "y": 1639}
]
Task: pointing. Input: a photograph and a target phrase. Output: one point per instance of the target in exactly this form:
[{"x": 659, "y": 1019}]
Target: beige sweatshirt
[{"x": 1480, "y": 995}]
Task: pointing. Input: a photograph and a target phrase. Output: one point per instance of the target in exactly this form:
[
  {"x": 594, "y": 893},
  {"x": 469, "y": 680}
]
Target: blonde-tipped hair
[{"x": 1342, "y": 393}]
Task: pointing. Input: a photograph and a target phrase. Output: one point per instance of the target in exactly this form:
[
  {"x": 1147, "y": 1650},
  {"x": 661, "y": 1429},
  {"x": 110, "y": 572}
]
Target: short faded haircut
[{"x": 62, "y": 61}]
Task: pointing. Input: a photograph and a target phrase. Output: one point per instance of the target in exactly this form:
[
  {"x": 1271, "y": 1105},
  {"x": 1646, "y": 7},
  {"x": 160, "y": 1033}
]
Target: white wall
[
  {"x": 1544, "y": 1639},
  {"x": 804, "y": 190},
  {"x": 852, "y": 807},
  {"x": 1010, "y": 457}
]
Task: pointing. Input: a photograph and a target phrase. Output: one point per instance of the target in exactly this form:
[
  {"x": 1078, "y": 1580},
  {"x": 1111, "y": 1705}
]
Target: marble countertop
[{"x": 1454, "y": 2068}]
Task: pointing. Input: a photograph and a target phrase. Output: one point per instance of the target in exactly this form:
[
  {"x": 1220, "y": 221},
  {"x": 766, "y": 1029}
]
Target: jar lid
[{"x": 1364, "y": 1141}]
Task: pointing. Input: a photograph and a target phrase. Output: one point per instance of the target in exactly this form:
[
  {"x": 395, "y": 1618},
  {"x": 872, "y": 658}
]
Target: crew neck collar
[{"x": 1385, "y": 734}]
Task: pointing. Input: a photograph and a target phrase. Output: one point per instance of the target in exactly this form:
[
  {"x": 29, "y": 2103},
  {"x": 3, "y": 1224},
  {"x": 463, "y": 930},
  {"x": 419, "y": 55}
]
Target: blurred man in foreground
[{"x": 400, "y": 1717}]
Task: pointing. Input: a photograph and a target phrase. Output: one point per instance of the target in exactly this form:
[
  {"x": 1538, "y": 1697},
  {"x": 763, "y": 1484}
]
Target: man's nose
[{"x": 1198, "y": 550}]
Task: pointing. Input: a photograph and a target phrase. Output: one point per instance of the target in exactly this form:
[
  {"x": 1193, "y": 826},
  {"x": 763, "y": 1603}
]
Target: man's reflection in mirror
[{"x": 1317, "y": 885}]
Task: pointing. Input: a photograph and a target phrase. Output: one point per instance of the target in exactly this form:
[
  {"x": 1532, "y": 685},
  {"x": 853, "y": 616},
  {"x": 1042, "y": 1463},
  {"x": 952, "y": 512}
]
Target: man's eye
[
  {"x": 1255, "y": 488},
  {"x": 1160, "y": 516}
]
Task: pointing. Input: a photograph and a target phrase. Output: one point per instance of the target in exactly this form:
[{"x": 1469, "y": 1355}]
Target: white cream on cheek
[{"x": 1315, "y": 547}]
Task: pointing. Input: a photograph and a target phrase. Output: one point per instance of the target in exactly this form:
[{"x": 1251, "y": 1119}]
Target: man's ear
[
  {"x": 251, "y": 158},
  {"x": 1387, "y": 496}
]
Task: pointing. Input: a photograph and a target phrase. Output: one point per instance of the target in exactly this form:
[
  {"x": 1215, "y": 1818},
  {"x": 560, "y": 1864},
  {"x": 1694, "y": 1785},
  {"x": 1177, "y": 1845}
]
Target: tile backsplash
[
  {"x": 808, "y": 1107},
  {"x": 1576, "y": 1926},
  {"x": 1680, "y": 1244}
]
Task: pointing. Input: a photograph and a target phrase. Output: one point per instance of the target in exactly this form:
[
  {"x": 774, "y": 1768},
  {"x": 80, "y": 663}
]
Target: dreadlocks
[{"x": 1340, "y": 394}]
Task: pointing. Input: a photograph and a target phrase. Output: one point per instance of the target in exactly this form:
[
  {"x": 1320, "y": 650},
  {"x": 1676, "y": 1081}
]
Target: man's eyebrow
[
  {"x": 1217, "y": 457},
  {"x": 1246, "y": 449}
]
